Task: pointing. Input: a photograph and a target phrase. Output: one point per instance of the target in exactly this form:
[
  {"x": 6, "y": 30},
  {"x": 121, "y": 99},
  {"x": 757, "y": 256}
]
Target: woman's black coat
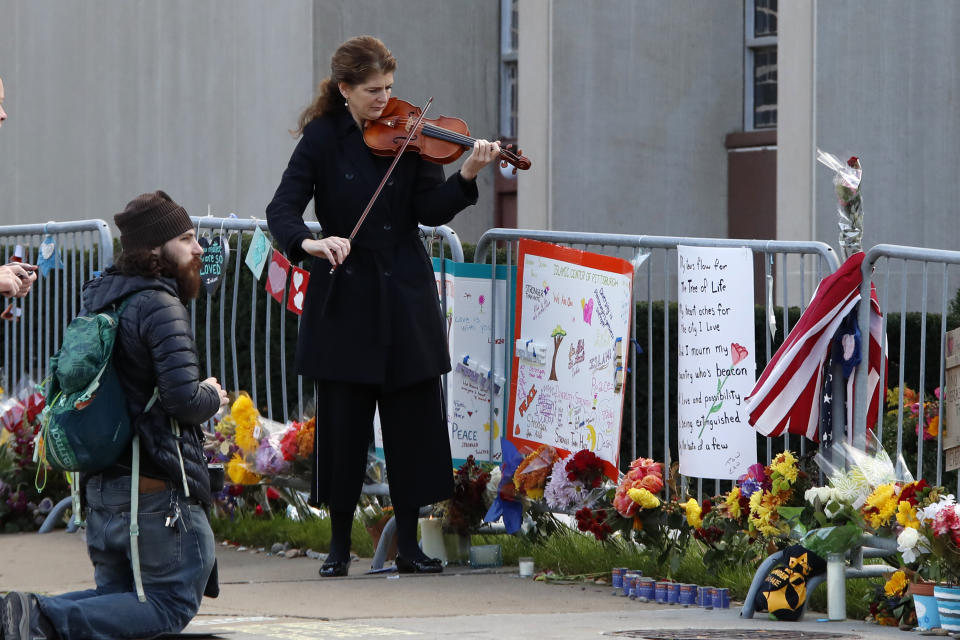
[{"x": 377, "y": 319}]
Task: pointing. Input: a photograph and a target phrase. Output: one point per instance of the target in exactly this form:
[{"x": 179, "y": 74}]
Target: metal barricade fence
[
  {"x": 81, "y": 249},
  {"x": 903, "y": 294},
  {"x": 244, "y": 337},
  {"x": 656, "y": 280}
]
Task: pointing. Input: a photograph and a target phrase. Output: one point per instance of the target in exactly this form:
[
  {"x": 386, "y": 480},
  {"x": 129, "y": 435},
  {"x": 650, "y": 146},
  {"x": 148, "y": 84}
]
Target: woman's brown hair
[{"x": 352, "y": 63}]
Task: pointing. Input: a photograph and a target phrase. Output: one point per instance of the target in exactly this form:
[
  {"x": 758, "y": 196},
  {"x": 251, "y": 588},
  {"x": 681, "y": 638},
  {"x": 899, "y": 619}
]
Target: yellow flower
[
  {"x": 693, "y": 510},
  {"x": 243, "y": 412},
  {"x": 882, "y": 505},
  {"x": 245, "y": 416},
  {"x": 896, "y": 584},
  {"x": 755, "y": 498},
  {"x": 907, "y": 515},
  {"x": 238, "y": 472},
  {"x": 786, "y": 465},
  {"x": 644, "y": 498},
  {"x": 733, "y": 502}
]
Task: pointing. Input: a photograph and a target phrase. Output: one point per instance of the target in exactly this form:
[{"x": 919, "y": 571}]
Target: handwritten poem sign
[{"x": 716, "y": 366}]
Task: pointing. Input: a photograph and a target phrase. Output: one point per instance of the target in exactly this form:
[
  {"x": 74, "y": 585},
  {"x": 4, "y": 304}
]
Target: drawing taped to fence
[
  {"x": 473, "y": 322},
  {"x": 573, "y": 314}
]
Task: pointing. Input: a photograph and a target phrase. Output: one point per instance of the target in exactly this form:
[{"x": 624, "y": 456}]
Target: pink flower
[
  {"x": 737, "y": 353},
  {"x": 946, "y": 521}
]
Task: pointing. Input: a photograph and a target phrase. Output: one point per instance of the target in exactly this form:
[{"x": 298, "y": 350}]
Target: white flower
[
  {"x": 909, "y": 544},
  {"x": 927, "y": 514},
  {"x": 823, "y": 494}
]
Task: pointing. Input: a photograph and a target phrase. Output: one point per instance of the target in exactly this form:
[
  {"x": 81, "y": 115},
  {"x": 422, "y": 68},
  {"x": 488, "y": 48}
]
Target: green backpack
[{"x": 85, "y": 425}]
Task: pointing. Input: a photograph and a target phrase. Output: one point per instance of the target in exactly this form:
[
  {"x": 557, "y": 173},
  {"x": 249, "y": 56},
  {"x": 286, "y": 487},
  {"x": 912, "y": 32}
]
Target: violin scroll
[{"x": 516, "y": 159}]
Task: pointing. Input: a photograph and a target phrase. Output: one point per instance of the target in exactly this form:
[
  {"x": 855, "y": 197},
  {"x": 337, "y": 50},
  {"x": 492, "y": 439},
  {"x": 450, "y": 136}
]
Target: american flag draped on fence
[{"x": 789, "y": 394}]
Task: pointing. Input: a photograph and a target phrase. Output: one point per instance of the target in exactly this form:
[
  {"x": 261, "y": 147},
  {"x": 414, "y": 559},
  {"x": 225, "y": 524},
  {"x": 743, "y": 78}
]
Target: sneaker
[
  {"x": 22, "y": 619},
  {"x": 16, "y": 616}
]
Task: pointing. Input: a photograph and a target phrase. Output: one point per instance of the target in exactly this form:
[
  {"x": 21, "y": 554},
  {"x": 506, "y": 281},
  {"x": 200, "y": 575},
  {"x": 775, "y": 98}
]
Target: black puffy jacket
[{"x": 155, "y": 348}]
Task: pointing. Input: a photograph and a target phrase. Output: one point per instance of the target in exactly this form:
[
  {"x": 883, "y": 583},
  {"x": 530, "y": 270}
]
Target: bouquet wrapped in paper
[{"x": 846, "y": 181}]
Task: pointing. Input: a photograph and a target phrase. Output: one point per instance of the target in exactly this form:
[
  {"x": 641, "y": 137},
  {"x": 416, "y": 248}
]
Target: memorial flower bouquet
[
  {"x": 464, "y": 512},
  {"x": 257, "y": 452},
  {"x": 889, "y": 603},
  {"x": 846, "y": 180},
  {"x": 27, "y": 492}
]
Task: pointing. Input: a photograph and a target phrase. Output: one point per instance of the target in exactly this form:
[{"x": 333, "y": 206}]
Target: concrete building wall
[
  {"x": 110, "y": 98},
  {"x": 888, "y": 91},
  {"x": 637, "y": 97},
  {"x": 885, "y": 90}
]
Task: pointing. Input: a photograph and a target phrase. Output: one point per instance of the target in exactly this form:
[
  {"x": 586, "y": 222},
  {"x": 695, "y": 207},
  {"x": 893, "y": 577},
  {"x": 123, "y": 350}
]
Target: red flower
[
  {"x": 910, "y": 491},
  {"x": 586, "y": 467},
  {"x": 259, "y": 510},
  {"x": 706, "y": 507},
  {"x": 272, "y": 494},
  {"x": 852, "y": 162}
]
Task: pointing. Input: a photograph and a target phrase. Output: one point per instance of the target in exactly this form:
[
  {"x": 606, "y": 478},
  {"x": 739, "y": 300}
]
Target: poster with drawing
[
  {"x": 716, "y": 364},
  {"x": 469, "y": 313},
  {"x": 573, "y": 314}
]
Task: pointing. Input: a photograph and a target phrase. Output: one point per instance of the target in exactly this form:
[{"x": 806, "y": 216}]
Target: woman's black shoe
[
  {"x": 334, "y": 568},
  {"x": 427, "y": 565}
]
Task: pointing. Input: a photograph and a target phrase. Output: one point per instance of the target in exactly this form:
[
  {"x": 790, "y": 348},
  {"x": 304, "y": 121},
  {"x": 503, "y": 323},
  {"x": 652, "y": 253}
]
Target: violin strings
[{"x": 452, "y": 136}]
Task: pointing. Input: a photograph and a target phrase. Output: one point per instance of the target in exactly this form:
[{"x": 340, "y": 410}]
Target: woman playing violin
[{"x": 372, "y": 333}]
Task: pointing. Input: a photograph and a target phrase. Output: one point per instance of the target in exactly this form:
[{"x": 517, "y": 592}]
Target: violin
[{"x": 441, "y": 140}]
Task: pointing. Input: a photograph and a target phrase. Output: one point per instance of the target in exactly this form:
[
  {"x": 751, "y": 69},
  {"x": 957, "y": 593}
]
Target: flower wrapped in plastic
[
  {"x": 846, "y": 180},
  {"x": 531, "y": 474}
]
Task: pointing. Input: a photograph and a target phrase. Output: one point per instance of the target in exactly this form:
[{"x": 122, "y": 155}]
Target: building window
[
  {"x": 760, "y": 63},
  {"x": 508, "y": 68}
]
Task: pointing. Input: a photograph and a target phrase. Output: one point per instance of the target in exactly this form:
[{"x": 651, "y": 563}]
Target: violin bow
[{"x": 386, "y": 176}]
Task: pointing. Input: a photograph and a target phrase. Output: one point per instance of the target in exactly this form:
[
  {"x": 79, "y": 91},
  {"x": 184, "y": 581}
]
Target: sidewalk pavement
[{"x": 268, "y": 597}]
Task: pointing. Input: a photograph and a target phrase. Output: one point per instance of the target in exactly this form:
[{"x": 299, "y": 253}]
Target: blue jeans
[{"x": 175, "y": 564}]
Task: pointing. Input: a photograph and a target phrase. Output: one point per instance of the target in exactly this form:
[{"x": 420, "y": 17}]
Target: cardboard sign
[
  {"x": 952, "y": 459},
  {"x": 299, "y": 278},
  {"x": 277, "y": 275},
  {"x": 573, "y": 315},
  {"x": 214, "y": 260},
  {"x": 950, "y": 394}
]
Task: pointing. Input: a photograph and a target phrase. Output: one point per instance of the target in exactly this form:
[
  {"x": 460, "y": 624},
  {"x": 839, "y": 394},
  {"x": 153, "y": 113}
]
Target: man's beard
[{"x": 187, "y": 277}]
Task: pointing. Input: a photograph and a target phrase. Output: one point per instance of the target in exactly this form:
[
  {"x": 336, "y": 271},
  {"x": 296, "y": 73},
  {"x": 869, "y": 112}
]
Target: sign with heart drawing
[
  {"x": 277, "y": 275},
  {"x": 216, "y": 251},
  {"x": 298, "y": 289}
]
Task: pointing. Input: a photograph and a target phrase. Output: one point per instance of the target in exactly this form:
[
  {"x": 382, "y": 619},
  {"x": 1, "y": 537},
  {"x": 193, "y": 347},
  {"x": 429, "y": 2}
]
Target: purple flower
[
  {"x": 269, "y": 460},
  {"x": 748, "y": 487},
  {"x": 560, "y": 492}
]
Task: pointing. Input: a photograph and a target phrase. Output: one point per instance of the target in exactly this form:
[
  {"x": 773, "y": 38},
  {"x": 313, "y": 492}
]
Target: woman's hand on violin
[
  {"x": 484, "y": 152},
  {"x": 334, "y": 249}
]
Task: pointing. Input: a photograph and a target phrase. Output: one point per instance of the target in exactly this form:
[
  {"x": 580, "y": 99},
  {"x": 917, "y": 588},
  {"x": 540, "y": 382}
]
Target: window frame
[
  {"x": 508, "y": 61},
  {"x": 751, "y": 45}
]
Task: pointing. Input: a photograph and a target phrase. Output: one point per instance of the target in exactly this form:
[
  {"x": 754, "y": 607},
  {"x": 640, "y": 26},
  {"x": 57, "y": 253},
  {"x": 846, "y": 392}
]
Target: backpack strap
[{"x": 135, "y": 502}]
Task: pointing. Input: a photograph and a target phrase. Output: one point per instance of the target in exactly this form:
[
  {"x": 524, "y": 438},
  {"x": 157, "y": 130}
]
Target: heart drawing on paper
[
  {"x": 588, "y": 311},
  {"x": 298, "y": 298},
  {"x": 297, "y": 280},
  {"x": 276, "y": 277}
]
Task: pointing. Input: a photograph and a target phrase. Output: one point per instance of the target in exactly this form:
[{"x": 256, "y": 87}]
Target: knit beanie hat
[{"x": 149, "y": 220}]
